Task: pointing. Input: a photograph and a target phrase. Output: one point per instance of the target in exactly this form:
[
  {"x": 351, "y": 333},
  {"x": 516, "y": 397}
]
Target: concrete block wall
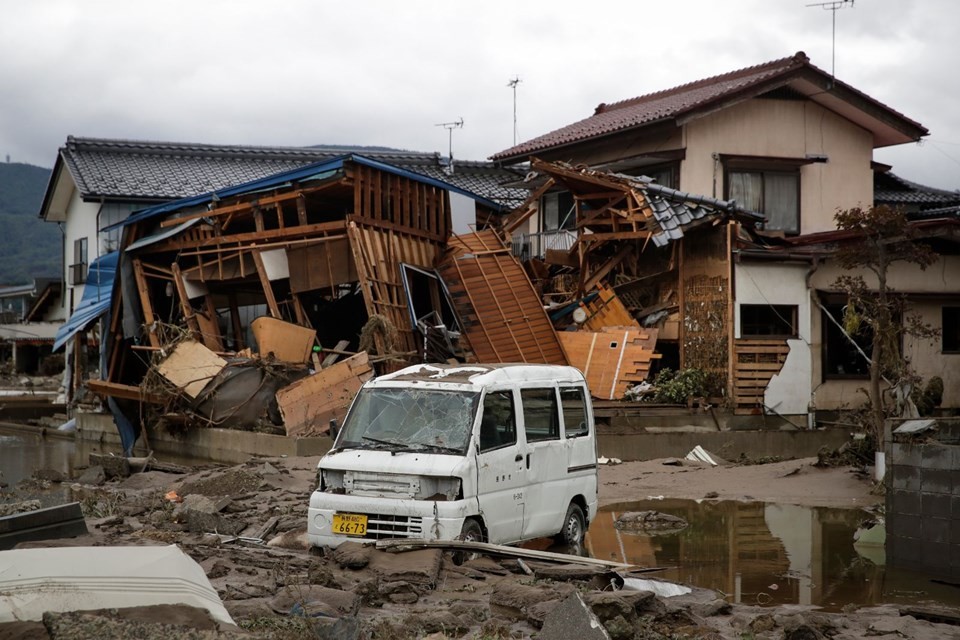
[{"x": 923, "y": 502}]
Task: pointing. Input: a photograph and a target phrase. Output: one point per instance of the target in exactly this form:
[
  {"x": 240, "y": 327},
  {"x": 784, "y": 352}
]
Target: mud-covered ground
[{"x": 283, "y": 589}]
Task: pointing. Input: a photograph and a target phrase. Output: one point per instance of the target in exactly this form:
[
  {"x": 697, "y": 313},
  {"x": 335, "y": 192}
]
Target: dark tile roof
[
  {"x": 891, "y": 189},
  {"x": 682, "y": 100},
  {"x": 160, "y": 171}
]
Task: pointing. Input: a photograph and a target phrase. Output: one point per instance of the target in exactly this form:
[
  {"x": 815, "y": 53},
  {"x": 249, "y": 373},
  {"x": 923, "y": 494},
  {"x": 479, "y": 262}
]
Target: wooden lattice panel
[{"x": 755, "y": 363}]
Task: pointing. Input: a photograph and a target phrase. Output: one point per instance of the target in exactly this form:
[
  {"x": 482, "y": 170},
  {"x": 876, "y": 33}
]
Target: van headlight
[{"x": 440, "y": 489}]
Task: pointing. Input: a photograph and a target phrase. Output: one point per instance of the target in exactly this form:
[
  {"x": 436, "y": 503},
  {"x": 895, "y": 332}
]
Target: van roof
[{"x": 480, "y": 375}]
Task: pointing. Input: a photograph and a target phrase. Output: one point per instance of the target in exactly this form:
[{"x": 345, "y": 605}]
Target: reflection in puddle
[{"x": 766, "y": 554}]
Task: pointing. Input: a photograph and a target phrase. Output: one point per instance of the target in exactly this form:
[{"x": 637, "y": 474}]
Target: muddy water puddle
[{"x": 766, "y": 554}]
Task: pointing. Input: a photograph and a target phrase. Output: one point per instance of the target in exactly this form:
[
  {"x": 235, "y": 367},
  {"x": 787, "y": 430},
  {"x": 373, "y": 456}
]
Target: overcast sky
[{"x": 386, "y": 72}]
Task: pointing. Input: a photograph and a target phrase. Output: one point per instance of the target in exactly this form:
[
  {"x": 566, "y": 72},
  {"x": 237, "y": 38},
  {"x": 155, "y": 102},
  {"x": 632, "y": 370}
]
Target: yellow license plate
[{"x": 349, "y": 524}]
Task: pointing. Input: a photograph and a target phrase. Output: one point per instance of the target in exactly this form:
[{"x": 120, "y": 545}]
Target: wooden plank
[
  {"x": 321, "y": 265},
  {"x": 209, "y": 327},
  {"x": 265, "y": 283},
  {"x": 410, "y": 544},
  {"x": 125, "y": 391},
  {"x": 287, "y": 342},
  {"x": 145, "y": 303},
  {"x": 188, "y": 314},
  {"x": 612, "y": 359},
  {"x": 190, "y": 367},
  {"x": 308, "y": 405}
]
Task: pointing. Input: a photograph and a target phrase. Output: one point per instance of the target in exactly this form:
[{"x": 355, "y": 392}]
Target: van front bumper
[{"x": 386, "y": 518}]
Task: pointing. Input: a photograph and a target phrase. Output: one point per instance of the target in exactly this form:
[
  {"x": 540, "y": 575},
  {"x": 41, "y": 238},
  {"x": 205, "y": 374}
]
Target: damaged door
[
  {"x": 501, "y": 476},
  {"x": 545, "y": 462}
]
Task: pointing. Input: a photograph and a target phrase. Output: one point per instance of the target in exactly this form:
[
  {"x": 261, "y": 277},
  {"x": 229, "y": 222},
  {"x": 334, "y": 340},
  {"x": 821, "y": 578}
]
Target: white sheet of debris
[{"x": 61, "y": 579}]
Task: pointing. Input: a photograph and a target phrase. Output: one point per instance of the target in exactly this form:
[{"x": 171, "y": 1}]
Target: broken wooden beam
[{"x": 400, "y": 545}]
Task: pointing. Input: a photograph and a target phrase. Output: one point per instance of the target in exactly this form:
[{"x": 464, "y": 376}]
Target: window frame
[
  {"x": 583, "y": 405},
  {"x": 792, "y": 309},
  {"x": 553, "y": 432},
  {"x": 954, "y": 310},
  {"x": 512, "y": 417},
  {"x": 766, "y": 166}
]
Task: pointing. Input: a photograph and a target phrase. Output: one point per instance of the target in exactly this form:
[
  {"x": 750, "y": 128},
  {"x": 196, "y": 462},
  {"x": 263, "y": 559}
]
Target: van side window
[
  {"x": 498, "y": 425},
  {"x": 540, "y": 417},
  {"x": 575, "y": 423}
]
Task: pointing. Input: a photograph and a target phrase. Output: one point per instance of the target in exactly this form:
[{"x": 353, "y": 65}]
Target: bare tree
[{"x": 881, "y": 236}]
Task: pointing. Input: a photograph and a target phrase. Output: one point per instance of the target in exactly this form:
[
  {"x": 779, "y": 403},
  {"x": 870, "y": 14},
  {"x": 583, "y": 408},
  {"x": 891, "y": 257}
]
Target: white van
[{"x": 499, "y": 453}]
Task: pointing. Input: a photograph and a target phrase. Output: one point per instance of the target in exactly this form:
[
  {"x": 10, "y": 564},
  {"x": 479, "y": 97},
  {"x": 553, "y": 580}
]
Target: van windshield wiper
[{"x": 388, "y": 443}]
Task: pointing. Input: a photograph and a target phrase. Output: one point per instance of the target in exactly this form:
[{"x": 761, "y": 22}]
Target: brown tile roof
[{"x": 677, "y": 102}]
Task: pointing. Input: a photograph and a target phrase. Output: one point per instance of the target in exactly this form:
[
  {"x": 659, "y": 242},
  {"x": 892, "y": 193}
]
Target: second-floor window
[
  {"x": 774, "y": 193},
  {"x": 559, "y": 211},
  {"x": 78, "y": 269}
]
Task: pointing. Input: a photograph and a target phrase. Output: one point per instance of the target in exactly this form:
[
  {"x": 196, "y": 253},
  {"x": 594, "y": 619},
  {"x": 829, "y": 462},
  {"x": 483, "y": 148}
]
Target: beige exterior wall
[
  {"x": 785, "y": 129},
  {"x": 938, "y": 286}
]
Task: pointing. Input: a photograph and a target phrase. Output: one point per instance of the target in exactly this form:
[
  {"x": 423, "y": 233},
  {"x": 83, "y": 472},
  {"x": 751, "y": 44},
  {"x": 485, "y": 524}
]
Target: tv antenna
[
  {"x": 513, "y": 85},
  {"x": 833, "y": 7},
  {"x": 450, "y": 126}
]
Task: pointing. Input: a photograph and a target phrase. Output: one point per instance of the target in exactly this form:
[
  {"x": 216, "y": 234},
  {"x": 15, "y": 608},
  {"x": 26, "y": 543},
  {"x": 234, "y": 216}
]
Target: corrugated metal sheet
[{"x": 502, "y": 315}]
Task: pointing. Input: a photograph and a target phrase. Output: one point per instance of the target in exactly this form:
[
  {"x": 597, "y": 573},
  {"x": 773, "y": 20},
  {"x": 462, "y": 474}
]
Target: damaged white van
[{"x": 499, "y": 453}]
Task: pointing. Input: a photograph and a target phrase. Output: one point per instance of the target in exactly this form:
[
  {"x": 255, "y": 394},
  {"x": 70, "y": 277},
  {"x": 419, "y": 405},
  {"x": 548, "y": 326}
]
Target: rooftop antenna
[
  {"x": 450, "y": 126},
  {"x": 513, "y": 85},
  {"x": 833, "y": 7}
]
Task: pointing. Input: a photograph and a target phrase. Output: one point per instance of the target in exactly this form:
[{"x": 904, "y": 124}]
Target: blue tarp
[{"x": 96, "y": 298}]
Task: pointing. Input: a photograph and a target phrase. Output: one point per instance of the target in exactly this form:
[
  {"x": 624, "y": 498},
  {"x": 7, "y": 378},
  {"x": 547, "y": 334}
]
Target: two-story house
[{"x": 788, "y": 140}]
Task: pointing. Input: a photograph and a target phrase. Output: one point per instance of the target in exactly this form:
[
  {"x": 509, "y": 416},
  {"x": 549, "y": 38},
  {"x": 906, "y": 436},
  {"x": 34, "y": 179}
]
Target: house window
[
  {"x": 841, "y": 359},
  {"x": 768, "y": 320},
  {"x": 774, "y": 193},
  {"x": 559, "y": 211},
  {"x": 78, "y": 270},
  {"x": 950, "y": 330},
  {"x": 540, "y": 417}
]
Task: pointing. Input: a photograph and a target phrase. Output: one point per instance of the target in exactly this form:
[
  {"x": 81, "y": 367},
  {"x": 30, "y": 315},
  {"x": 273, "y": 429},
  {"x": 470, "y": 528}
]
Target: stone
[
  {"x": 652, "y": 522},
  {"x": 352, "y": 555},
  {"x": 113, "y": 466},
  {"x": 572, "y": 619},
  {"x": 628, "y": 603},
  {"x": 201, "y": 515},
  {"x": 94, "y": 475},
  {"x": 49, "y": 475},
  {"x": 12, "y": 508},
  {"x": 417, "y": 567},
  {"x": 313, "y": 599},
  {"x": 567, "y": 572},
  {"x": 716, "y": 607},
  {"x": 399, "y": 592},
  {"x": 763, "y": 623},
  {"x": 346, "y": 628}
]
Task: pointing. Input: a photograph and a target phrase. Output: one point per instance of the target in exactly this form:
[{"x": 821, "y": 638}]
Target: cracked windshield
[{"x": 411, "y": 420}]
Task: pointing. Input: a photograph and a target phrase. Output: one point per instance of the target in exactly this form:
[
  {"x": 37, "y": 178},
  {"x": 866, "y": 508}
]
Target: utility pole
[
  {"x": 513, "y": 85},
  {"x": 833, "y": 7}
]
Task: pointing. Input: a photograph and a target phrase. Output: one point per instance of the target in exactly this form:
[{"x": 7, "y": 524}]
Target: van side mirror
[{"x": 334, "y": 429}]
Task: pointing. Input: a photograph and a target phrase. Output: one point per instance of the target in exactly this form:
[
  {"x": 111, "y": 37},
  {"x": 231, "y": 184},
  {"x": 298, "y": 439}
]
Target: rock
[
  {"x": 201, "y": 515},
  {"x": 352, "y": 555},
  {"x": 652, "y": 522},
  {"x": 567, "y": 572},
  {"x": 296, "y": 540},
  {"x": 113, "y": 466},
  {"x": 537, "y": 613},
  {"x": 629, "y": 604},
  {"x": 94, "y": 475},
  {"x": 13, "y": 508},
  {"x": 49, "y": 475},
  {"x": 346, "y": 628},
  {"x": 419, "y": 567},
  {"x": 717, "y": 607},
  {"x": 23, "y": 630},
  {"x": 441, "y": 622},
  {"x": 673, "y": 462},
  {"x": 763, "y": 623},
  {"x": 710, "y": 495},
  {"x": 516, "y": 600},
  {"x": 572, "y": 619},
  {"x": 314, "y": 599},
  {"x": 399, "y": 592}
]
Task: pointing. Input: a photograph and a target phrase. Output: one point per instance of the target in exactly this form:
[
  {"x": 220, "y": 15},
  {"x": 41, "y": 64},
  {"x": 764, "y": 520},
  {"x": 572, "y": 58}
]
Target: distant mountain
[{"x": 30, "y": 247}]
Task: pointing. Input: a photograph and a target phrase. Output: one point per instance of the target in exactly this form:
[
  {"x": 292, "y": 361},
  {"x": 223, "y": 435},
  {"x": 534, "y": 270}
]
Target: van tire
[
  {"x": 574, "y": 526},
  {"x": 470, "y": 532}
]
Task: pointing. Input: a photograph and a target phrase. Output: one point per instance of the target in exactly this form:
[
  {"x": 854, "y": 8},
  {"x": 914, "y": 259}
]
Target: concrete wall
[
  {"x": 785, "y": 129},
  {"x": 923, "y": 502}
]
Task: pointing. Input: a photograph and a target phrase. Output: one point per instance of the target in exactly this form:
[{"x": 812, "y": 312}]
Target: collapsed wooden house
[
  {"x": 656, "y": 262},
  {"x": 339, "y": 255}
]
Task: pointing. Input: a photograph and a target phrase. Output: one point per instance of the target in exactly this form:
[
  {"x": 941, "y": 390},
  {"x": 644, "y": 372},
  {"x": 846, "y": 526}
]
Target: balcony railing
[
  {"x": 78, "y": 273},
  {"x": 535, "y": 245}
]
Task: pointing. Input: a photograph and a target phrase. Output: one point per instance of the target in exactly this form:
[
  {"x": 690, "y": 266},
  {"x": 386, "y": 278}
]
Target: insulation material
[
  {"x": 611, "y": 360},
  {"x": 308, "y": 405},
  {"x": 501, "y": 314},
  {"x": 191, "y": 366},
  {"x": 287, "y": 342}
]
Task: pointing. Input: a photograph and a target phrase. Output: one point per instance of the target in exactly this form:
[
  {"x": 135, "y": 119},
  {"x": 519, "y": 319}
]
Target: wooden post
[
  {"x": 267, "y": 287},
  {"x": 188, "y": 315},
  {"x": 239, "y": 342},
  {"x": 148, "y": 317}
]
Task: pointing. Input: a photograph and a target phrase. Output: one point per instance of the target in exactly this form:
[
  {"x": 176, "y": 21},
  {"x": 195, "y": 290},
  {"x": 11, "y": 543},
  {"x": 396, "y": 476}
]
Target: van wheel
[
  {"x": 573, "y": 526},
  {"x": 471, "y": 532}
]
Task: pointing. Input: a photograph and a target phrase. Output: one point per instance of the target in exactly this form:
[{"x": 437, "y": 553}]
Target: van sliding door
[{"x": 501, "y": 481}]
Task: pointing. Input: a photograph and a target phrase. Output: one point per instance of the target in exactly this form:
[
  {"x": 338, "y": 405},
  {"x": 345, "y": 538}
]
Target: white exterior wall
[
  {"x": 789, "y": 391},
  {"x": 463, "y": 213},
  {"x": 81, "y": 222}
]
